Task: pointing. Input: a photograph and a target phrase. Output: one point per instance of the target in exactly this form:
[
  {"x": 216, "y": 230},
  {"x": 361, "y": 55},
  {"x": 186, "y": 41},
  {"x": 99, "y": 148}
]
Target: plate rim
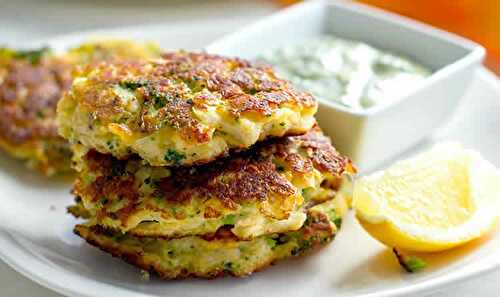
[{"x": 19, "y": 258}]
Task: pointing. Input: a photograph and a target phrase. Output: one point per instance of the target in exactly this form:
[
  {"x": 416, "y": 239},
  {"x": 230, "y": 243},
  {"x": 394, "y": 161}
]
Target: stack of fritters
[
  {"x": 199, "y": 165},
  {"x": 31, "y": 84}
]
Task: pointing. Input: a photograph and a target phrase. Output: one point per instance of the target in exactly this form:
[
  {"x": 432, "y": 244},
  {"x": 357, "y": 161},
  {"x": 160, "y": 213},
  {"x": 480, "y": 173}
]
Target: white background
[{"x": 21, "y": 21}]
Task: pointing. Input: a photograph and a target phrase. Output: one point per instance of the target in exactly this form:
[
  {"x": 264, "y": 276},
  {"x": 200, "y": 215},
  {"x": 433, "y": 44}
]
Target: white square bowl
[{"x": 376, "y": 134}]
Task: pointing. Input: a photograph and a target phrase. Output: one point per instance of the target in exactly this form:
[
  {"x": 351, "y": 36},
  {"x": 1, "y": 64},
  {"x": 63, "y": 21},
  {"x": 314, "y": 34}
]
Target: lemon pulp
[{"x": 434, "y": 201}]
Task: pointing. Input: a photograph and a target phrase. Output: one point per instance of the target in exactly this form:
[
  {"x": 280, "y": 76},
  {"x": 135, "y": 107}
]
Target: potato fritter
[
  {"x": 260, "y": 191},
  {"x": 31, "y": 84},
  {"x": 183, "y": 109},
  {"x": 219, "y": 254}
]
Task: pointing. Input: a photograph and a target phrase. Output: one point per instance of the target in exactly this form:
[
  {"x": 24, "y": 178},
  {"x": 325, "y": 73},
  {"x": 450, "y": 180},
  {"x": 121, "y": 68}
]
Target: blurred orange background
[{"x": 478, "y": 20}]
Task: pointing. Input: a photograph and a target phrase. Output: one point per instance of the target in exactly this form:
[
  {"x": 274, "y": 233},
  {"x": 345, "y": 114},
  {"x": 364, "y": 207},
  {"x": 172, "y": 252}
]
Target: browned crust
[
  {"x": 322, "y": 155},
  {"x": 246, "y": 176},
  {"x": 171, "y": 86},
  {"x": 234, "y": 181},
  {"x": 234, "y": 77},
  {"x": 28, "y": 97}
]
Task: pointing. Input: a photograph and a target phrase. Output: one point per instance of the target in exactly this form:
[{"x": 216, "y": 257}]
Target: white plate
[{"x": 36, "y": 237}]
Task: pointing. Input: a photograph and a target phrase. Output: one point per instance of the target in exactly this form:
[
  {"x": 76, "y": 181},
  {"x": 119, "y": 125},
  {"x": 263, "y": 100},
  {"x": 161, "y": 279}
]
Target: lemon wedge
[{"x": 432, "y": 202}]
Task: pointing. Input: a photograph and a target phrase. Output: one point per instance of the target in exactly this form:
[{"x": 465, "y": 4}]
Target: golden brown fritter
[
  {"x": 259, "y": 191},
  {"x": 31, "y": 84},
  {"x": 183, "y": 109},
  {"x": 219, "y": 254}
]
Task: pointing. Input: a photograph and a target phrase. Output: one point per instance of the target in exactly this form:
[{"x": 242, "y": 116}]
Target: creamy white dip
[{"x": 347, "y": 72}]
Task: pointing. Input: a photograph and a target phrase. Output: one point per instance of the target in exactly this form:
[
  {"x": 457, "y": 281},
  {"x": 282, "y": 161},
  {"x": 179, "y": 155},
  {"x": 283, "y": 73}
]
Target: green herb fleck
[
  {"x": 229, "y": 219},
  {"x": 120, "y": 237},
  {"x": 335, "y": 218},
  {"x": 132, "y": 85},
  {"x": 174, "y": 157},
  {"x": 110, "y": 145},
  {"x": 338, "y": 222},
  {"x": 160, "y": 102},
  {"x": 228, "y": 266},
  {"x": 306, "y": 192},
  {"x": 384, "y": 68},
  {"x": 305, "y": 245},
  {"x": 409, "y": 263},
  {"x": 415, "y": 264},
  {"x": 282, "y": 124},
  {"x": 280, "y": 168},
  {"x": 271, "y": 242},
  {"x": 104, "y": 200}
]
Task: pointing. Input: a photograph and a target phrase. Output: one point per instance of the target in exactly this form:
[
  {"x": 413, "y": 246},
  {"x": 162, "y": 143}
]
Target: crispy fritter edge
[{"x": 136, "y": 257}]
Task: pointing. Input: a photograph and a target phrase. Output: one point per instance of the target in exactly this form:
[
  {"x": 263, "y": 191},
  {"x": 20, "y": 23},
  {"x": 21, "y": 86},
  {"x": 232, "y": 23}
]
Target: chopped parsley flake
[
  {"x": 160, "y": 102},
  {"x": 229, "y": 219},
  {"x": 132, "y": 85},
  {"x": 409, "y": 263},
  {"x": 110, "y": 145},
  {"x": 415, "y": 264},
  {"x": 335, "y": 218},
  {"x": 174, "y": 156},
  {"x": 120, "y": 237},
  {"x": 271, "y": 242},
  {"x": 338, "y": 222},
  {"x": 306, "y": 192},
  {"x": 228, "y": 266}
]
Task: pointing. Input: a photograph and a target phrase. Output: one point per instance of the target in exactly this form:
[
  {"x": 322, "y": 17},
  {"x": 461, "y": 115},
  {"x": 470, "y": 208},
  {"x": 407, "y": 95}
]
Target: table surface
[{"x": 36, "y": 19}]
